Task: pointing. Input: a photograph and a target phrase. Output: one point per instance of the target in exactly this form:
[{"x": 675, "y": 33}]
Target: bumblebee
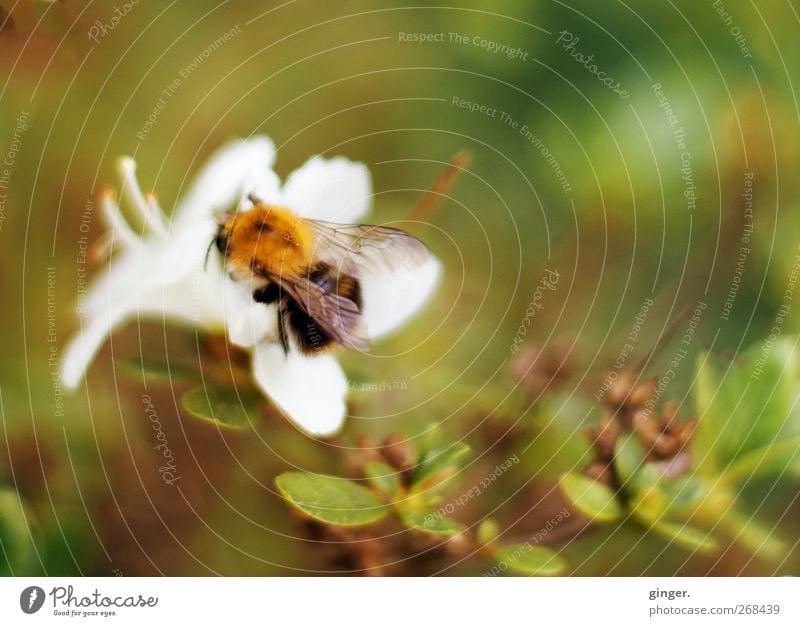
[{"x": 310, "y": 269}]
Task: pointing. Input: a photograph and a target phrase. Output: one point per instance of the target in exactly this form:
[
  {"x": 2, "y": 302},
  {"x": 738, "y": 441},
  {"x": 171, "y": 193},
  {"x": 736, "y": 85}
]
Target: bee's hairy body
[{"x": 266, "y": 247}]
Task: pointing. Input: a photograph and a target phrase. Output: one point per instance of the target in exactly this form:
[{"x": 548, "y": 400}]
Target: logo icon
[{"x": 31, "y": 599}]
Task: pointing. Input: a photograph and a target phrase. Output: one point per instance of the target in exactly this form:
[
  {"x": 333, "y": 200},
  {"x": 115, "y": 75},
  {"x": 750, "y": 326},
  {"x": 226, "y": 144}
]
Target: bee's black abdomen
[
  {"x": 350, "y": 288},
  {"x": 268, "y": 294},
  {"x": 310, "y": 338},
  {"x": 342, "y": 285}
]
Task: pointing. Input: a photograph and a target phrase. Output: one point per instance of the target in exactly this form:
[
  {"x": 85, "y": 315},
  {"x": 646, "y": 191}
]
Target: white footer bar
[{"x": 409, "y": 601}]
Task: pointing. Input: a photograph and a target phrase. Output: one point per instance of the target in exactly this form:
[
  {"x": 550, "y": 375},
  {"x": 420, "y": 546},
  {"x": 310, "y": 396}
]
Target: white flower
[{"x": 159, "y": 273}]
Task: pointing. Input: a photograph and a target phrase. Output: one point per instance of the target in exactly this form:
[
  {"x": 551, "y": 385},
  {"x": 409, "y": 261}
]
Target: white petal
[
  {"x": 186, "y": 249},
  {"x": 238, "y": 168},
  {"x": 248, "y": 322},
  {"x": 82, "y": 349},
  {"x": 225, "y": 178},
  {"x": 151, "y": 216},
  {"x": 390, "y": 301},
  {"x": 309, "y": 389},
  {"x": 116, "y": 283},
  {"x": 116, "y": 222},
  {"x": 333, "y": 190},
  {"x": 197, "y": 301},
  {"x": 266, "y": 186}
]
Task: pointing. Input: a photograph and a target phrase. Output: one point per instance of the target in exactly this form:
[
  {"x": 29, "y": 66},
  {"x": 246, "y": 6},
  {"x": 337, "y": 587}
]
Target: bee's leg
[
  {"x": 269, "y": 294},
  {"x": 282, "y": 336}
]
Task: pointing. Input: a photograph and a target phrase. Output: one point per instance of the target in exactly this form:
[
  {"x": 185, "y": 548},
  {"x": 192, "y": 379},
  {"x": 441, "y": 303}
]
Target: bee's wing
[
  {"x": 336, "y": 315},
  {"x": 358, "y": 248}
]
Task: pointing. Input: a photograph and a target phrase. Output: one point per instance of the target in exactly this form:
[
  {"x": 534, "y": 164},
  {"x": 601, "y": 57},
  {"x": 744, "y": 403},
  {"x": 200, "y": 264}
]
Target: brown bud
[
  {"x": 398, "y": 452},
  {"x": 665, "y": 446},
  {"x": 669, "y": 415},
  {"x": 642, "y": 393},
  {"x": 620, "y": 389},
  {"x": 459, "y": 544},
  {"x": 645, "y": 428},
  {"x": 539, "y": 369},
  {"x": 606, "y": 436},
  {"x": 686, "y": 430},
  {"x": 600, "y": 472}
]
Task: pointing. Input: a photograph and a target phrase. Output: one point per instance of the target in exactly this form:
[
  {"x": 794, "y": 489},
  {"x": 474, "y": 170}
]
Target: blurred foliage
[{"x": 647, "y": 493}]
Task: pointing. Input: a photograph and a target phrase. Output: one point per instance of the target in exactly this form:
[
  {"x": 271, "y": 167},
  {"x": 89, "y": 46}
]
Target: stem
[{"x": 424, "y": 206}]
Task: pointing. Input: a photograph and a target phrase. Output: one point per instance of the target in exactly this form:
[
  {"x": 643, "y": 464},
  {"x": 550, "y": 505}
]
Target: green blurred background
[{"x": 342, "y": 79}]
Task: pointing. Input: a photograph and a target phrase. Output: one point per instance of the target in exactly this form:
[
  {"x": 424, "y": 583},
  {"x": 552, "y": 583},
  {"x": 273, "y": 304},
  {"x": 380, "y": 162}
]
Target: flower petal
[
  {"x": 238, "y": 168},
  {"x": 287, "y": 379},
  {"x": 117, "y": 283},
  {"x": 247, "y": 321},
  {"x": 149, "y": 213},
  {"x": 83, "y": 347},
  {"x": 196, "y": 301},
  {"x": 229, "y": 173},
  {"x": 390, "y": 301},
  {"x": 116, "y": 222},
  {"x": 333, "y": 190}
]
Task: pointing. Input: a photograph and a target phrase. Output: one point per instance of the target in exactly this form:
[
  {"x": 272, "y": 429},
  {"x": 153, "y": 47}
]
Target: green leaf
[
  {"x": 778, "y": 458},
  {"x": 487, "y": 531},
  {"x": 438, "y": 465},
  {"x": 757, "y": 538},
  {"x": 384, "y": 477},
  {"x": 333, "y": 500},
  {"x": 427, "y": 520},
  {"x": 158, "y": 370},
  {"x": 686, "y": 536},
  {"x": 225, "y": 406},
  {"x": 650, "y": 505},
  {"x": 685, "y": 495},
  {"x": 359, "y": 378},
  {"x": 747, "y": 405},
  {"x": 629, "y": 457},
  {"x": 531, "y": 560},
  {"x": 591, "y": 498},
  {"x": 16, "y": 547},
  {"x": 430, "y": 439},
  {"x": 641, "y": 479}
]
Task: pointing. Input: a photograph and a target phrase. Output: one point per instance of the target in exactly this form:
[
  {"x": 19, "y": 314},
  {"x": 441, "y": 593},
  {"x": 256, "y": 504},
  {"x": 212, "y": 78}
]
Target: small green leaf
[
  {"x": 686, "y": 536},
  {"x": 685, "y": 495},
  {"x": 777, "y": 458},
  {"x": 531, "y": 560},
  {"x": 650, "y": 505},
  {"x": 429, "y": 439},
  {"x": 591, "y": 498},
  {"x": 757, "y": 538},
  {"x": 16, "y": 546},
  {"x": 157, "y": 370},
  {"x": 439, "y": 465},
  {"x": 384, "y": 477},
  {"x": 629, "y": 457},
  {"x": 426, "y": 520},
  {"x": 748, "y": 404},
  {"x": 487, "y": 531},
  {"x": 333, "y": 500},
  {"x": 226, "y": 406}
]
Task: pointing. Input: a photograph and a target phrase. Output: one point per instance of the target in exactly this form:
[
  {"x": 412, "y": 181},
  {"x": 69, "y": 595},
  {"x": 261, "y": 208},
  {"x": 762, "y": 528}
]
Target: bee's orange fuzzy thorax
[{"x": 271, "y": 238}]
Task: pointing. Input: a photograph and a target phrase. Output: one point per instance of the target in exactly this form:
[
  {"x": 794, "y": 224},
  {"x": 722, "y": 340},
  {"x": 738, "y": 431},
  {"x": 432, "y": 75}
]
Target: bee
[{"x": 311, "y": 270}]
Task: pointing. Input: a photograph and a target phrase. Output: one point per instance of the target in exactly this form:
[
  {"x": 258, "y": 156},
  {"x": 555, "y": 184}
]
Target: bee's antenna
[
  {"x": 208, "y": 251},
  {"x": 254, "y": 199}
]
